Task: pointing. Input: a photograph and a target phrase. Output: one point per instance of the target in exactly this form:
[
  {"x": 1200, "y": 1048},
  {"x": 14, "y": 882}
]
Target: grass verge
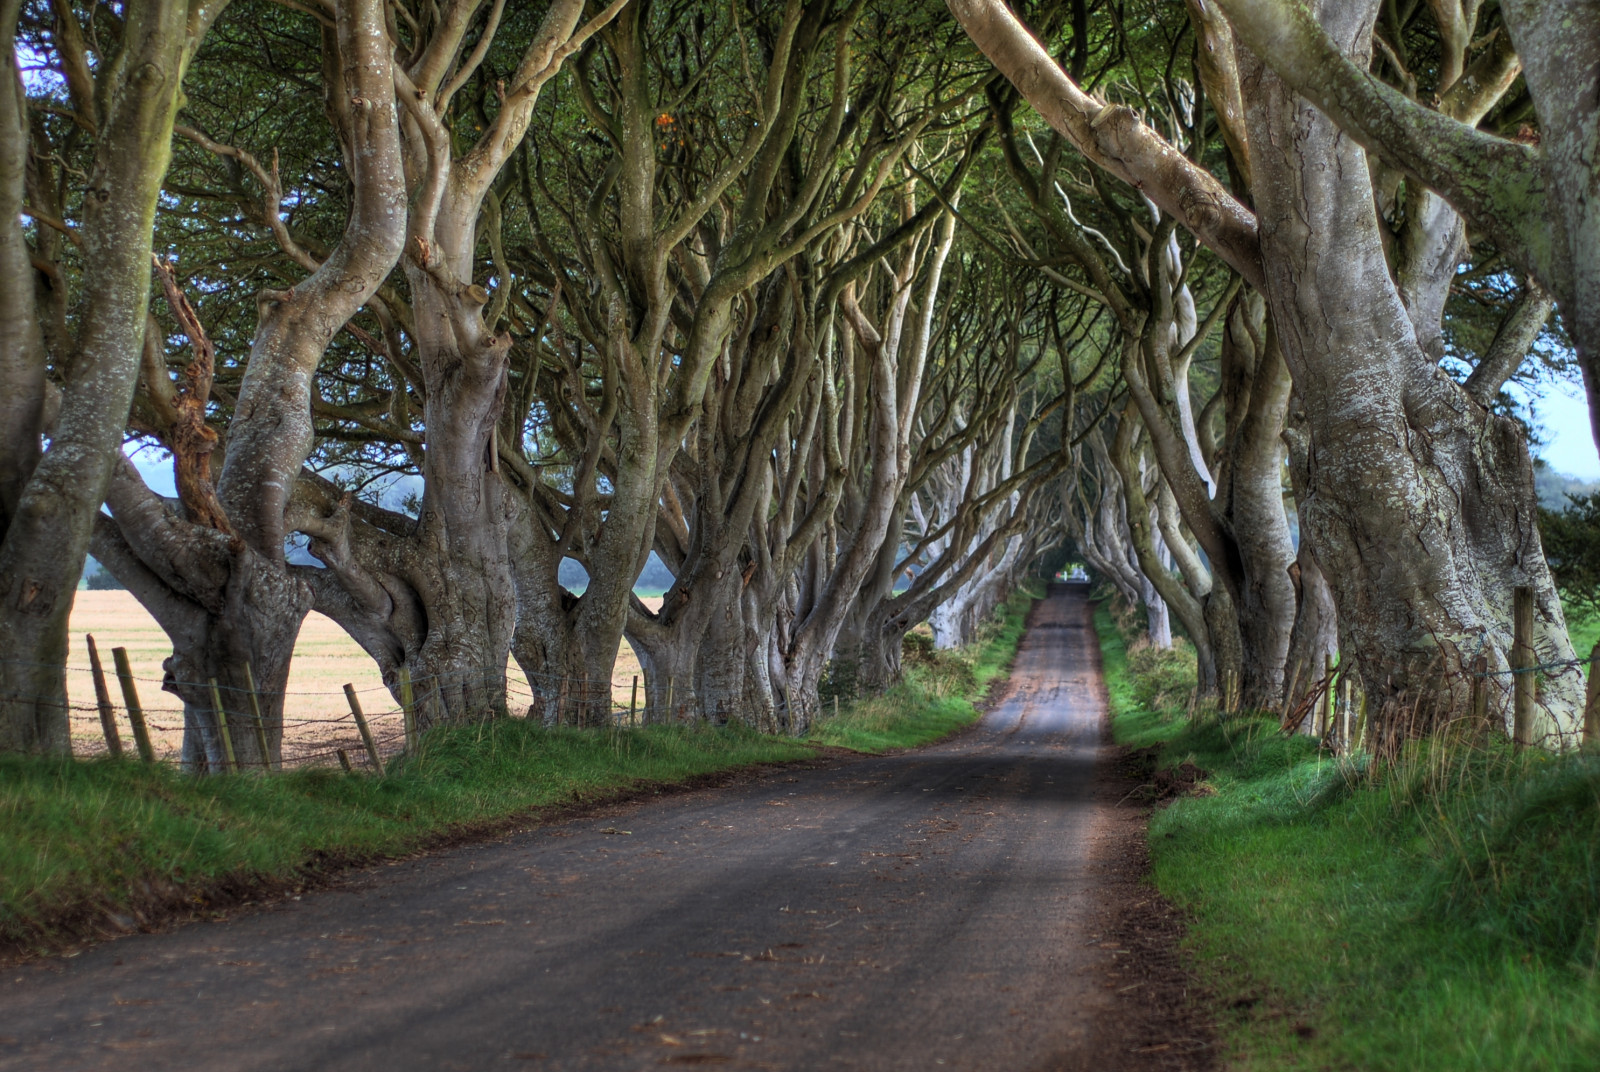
[
  {"x": 941, "y": 691},
  {"x": 1438, "y": 914},
  {"x": 113, "y": 844},
  {"x": 95, "y": 847}
]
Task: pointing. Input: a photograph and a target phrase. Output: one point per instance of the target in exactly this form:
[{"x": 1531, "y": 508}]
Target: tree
[
  {"x": 211, "y": 567},
  {"x": 70, "y": 375},
  {"x": 1422, "y": 560},
  {"x": 1572, "y": 545},
  {"x": 1536, "y": 196}
]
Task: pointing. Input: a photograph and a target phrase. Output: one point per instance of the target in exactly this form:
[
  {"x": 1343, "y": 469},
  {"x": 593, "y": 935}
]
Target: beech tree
[
  {"x": 1422, "y": 560},
  {"x": 798, "y": 299},
  {"x": 435, "y": 594},
  {"x": 211, "y": 568},
  {"x": 72, "y": 328}
]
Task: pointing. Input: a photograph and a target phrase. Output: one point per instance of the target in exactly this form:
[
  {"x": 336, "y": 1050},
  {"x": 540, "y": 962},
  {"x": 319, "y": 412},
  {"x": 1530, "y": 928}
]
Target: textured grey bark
[
  {"x": 438, "y": 596},
  {"x": 211, "y": 570},
  {"x": 969, "y": 498},
  {"x": 52, "y": 499},
  {"x": 1256, "y": 385},
  {"x": 1316, "y": 622},
  {"x": 1540, "y": 205},
  {"x": 1190, "y": 608},
  {"x": 1157, "y": 320},
  {"x": 628, "y": 309},
  {"x": 715, "y": 497},
  {"x": 895, "y": 350},
  {"x": 1422, "y": 560}
]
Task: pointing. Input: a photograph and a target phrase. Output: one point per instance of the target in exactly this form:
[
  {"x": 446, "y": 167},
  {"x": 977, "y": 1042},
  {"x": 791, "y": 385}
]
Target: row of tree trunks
[{"x": 1417, "y": 503}]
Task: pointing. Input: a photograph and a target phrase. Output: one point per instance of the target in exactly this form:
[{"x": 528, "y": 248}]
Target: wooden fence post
[
  {"x": 1522, "y": 679},
  {"x": 102, "y": 698},
  {"x": 1344, "y": 715},
  {"x": 670, "y": 715},
  {"x": 130, "y": 698},
  {"x": 222, "y": 725},
  {"x": 408, "y": 707},
  {"x": 261, "y": 723},
  {"x": 633, "y": 701},
  {"x": 1326, "y": 707},
  {"x": 1591, "y": 706},
  {"x": 1480, "y": 694},
  {"x": 344, "y": 760},
  {"x": 366, "y": 731},
  {"x": 1361, "y": 724}
]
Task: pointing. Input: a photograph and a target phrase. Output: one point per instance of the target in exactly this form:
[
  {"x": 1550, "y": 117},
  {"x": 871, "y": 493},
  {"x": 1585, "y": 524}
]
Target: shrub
[{"x": 1162, "y": 678}]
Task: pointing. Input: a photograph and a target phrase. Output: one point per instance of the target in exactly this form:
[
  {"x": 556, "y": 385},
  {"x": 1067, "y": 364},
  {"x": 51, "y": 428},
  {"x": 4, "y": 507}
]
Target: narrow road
[{"x": 919, "y": 911}]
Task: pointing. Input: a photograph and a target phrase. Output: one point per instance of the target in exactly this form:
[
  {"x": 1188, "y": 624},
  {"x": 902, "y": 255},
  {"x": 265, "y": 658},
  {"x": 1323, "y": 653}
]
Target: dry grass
[{"x": 316, "y": 714}]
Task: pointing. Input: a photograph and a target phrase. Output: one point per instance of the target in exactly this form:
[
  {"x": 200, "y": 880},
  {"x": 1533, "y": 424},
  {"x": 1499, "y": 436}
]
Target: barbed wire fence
[
  {"x": 1473, "y": 696},
  {"x": 358, "y": 738}
]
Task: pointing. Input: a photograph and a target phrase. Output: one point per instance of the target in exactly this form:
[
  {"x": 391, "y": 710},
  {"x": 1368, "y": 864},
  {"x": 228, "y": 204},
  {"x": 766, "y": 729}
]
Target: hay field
[{"x": 316, "y": 714}]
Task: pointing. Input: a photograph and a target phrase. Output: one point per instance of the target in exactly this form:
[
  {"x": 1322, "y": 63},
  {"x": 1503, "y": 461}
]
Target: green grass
[
  {"x": 1440, "y": 914},
  {"x": 83, "y": 840},
  {"x": 1584, "y": 629},
  {"x": 940, "y": 691}
]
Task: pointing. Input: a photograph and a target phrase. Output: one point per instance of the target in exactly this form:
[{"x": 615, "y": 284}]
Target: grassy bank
[
  {"x": 81, "y": 841},
  {"x": 88, "y": 846},
  {"x": 1438, "y": 914},
  {"x": 941, "y": 691}
]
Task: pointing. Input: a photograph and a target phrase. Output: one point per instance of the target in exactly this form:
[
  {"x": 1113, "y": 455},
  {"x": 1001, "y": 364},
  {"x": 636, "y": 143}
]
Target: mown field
[{"x": 316, "y": 713}]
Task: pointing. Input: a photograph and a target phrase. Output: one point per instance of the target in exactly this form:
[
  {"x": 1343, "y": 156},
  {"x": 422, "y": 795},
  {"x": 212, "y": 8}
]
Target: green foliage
[
  {"x": 940, "y": 691},
  {"x": 1571, "y": 540},
  {"x": 79, "y": 839},
  {"x": 1162, "y": 678},
  {"x": 1437, "y": 914}
]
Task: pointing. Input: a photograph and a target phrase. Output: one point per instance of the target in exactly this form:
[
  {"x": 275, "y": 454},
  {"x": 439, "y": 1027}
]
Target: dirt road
[{"x": 935, "y": 909}]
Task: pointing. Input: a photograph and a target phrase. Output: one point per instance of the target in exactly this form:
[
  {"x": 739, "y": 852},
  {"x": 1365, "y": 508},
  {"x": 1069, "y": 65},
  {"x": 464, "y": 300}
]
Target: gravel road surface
[{"x": 933, "y": 909}]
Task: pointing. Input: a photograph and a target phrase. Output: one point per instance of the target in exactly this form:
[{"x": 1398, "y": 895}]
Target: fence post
[
  {"x": 1360, "y": 734},
  {"x": 344, "y": 760},
  {"x": 1480, "y": 694},
  {"x": 130, "y": 697},
  {"x": 407, "y": 707},
  {"x": 1592, "y": 700},
  {"x": 102, "y": 697},
  {"x": 1522, "y": 682},
  {"x": 366, "y": 731},
  {"x": 261, "y": 723},
  {"x": 670, "y": 716},
  {"x": 1326, "y": 706},
  {"x": 222, "y": 725},
  {"x": 633, "y": 701}
]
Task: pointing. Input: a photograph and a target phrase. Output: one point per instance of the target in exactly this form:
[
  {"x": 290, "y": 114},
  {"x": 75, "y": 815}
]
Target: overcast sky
[{"x": 1565, "y": 418}]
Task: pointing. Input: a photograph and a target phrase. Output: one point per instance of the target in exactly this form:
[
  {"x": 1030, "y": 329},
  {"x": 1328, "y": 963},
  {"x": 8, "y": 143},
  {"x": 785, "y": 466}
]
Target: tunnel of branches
[{"x": 843, "y": 317}]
